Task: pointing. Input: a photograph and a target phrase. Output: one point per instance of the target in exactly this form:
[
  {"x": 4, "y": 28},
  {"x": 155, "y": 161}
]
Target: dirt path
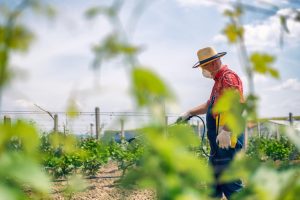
[{"x": 103, "y": 188}]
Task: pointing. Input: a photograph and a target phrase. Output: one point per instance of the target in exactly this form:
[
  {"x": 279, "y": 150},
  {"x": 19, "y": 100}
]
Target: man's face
[
  {"x": 207, "y": 66},
  {"x": 212, "y": 66}
]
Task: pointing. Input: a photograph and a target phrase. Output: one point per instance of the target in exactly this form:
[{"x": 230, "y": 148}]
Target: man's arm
[{"x": 199, "y": 110}]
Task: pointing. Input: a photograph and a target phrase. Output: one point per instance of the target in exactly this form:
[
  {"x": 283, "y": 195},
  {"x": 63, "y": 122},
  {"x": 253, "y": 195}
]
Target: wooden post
[
  {"x": 122, "y": 130},
  {"x": 55, "y": 129},
  {"x": 258, "y": 129},
  {"x": 91, "y": 126},
  {"x": 277, "y": 132},
  {"x": 7, "y": 120},
  {"x": 291, "y": 118},
  {"x": 166, "y": 125},
  {"x": 97, "y": 118}
]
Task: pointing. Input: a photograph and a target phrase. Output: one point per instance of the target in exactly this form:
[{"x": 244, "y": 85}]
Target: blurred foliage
[
  {"x": 76, "y": 184},
  {"x": 14, "y": 36},
  {"x": 20, "y": 168},
  {"x": 126, "y": 154},
  {"x": 169, "y": 167},
  {"x": 233, "y": 30},
  {"x": 271, "y": 148},
  {"x": 263, "y": 180},
  {"x": 112, "y": 47},
  {"x": 94, "y": 11},
  {"x": 261, "y": 64},
  {"x": 72, "y": 108},
  {"x": 22, "y": 38},
  {"x": 148, "y": 88},
  {"x": 231, "y": 108},
  {"x": 84, "y": 156}
]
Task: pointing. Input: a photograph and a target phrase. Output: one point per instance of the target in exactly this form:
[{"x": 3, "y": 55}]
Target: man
[{"x": 223, "y": 144}]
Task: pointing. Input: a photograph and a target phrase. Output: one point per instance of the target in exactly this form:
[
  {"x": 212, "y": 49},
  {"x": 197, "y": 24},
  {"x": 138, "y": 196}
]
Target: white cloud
[
  {"x": 24, "y": 104},
  {"x": 221, "y": 5},
  {"x": 265, "y": 35},
  {"x": 289, "y": 84},
  {"x": 188, "y": 3}
]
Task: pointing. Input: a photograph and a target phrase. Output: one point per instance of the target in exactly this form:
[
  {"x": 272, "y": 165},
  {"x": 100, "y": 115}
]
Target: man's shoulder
[{"x": 230, "y": 77}]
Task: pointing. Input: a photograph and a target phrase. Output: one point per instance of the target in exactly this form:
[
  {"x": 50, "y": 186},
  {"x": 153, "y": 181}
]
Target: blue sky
[{"x": 58, "y": 65}]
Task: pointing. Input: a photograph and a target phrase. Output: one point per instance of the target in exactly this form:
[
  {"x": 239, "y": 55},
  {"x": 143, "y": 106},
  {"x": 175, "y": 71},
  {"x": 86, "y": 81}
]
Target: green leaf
[
  {"x": 147, "y": 87},
  {"x": 66, "y": 142},
  {"x": 94, "y": 11},
  {"x": 283, "y": 22},
  {"x": 72, "y": 108},
  {"x": 237, "y": 12},
  {"x": 251, "y": 107},
  {"x": 26, "y": 133},
  {"x": 76, "y": 183},
  {"x": 230, "y": 107},
  {"x": 112, "y": 47},
  {"x": 294, "y": 136},
  {"x": 24, "y": 170},
  {"x": 169, "y": 167},
  {"x": 21, "y": 37},
  {"x": 9, "y": 193},
  {"x": 188, "y": 138},
  {"x": 269, "y": 183},
  {"x": 233, "y": 32},
  {"x": 261, "y": 63}
]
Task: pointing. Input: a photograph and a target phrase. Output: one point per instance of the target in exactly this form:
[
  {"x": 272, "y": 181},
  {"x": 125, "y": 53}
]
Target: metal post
[
  {"x": 97, "y": 118},
  {"x": 55, "y": 129}
]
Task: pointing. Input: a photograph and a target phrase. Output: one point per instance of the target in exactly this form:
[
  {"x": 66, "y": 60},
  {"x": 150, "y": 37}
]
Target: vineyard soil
[{"x": 103, "y": 187}]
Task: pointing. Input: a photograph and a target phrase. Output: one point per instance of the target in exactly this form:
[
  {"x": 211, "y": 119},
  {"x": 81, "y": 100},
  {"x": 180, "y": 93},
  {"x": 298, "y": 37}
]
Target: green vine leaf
[
  {"x": 148, "y": 88},
  {"x": 229, "y": 105},
  {"x": 283, "y": 23},
  {"x": 21, "y": 38},
  {"x": 233, "y": 32},
  {"x": 112, "y": 47},
  {"x": 94, "y": 11},
  {"x": 261, "y": 64}
]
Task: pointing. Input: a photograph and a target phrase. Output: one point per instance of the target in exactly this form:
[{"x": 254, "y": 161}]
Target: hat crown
[{"x": 206, "y": 53}]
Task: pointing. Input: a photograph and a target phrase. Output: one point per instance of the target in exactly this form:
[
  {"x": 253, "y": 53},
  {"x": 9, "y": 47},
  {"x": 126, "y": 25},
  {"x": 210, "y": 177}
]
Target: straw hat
[{"x": 207, "y": 55}]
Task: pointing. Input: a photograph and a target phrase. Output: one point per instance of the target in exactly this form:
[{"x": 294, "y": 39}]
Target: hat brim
[{"x": 208, "y": 60}]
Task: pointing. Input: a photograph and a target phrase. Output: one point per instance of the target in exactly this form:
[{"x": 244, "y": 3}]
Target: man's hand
[
  {"x": 183, "y": 117},
  {"x": 223, "y": 139}
]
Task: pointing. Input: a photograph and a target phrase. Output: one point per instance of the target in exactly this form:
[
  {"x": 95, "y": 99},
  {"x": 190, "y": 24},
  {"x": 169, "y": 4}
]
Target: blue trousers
[{"x": 220, "y": 161}]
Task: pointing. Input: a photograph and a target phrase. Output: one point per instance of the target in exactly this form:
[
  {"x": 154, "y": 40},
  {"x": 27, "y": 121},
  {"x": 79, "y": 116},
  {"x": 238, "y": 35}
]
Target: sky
[{"x": 57, "y": 66}]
